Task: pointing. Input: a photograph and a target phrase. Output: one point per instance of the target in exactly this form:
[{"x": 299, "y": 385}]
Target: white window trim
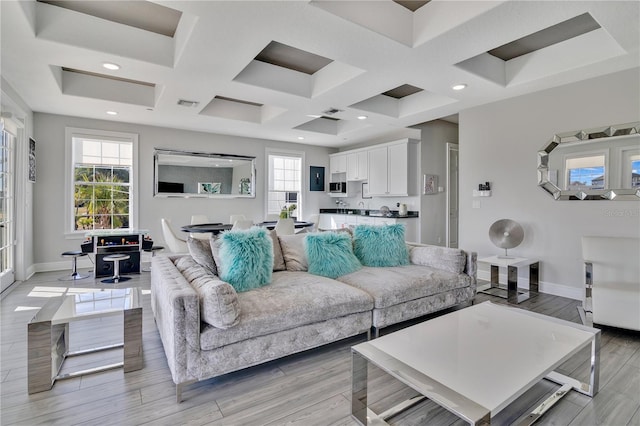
[
  {"x": 303, "y": 176},
  {"x": 70, "y": 133},
  {"x": 626, "y": 152},
  {"x": 584, "y": 154}
]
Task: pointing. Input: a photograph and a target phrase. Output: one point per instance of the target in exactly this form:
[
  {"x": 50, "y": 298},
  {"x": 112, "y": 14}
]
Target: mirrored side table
[
  {"x": 48, "y": 334},
  {"x": 511, "y": 291}
]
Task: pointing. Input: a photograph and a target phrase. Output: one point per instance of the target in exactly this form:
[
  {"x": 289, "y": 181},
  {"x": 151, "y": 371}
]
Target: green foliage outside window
[{"x": 101, "y": 197}]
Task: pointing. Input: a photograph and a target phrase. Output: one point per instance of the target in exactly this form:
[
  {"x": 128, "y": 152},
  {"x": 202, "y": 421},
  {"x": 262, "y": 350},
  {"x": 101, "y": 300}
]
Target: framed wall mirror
[
  {"x": 594, "y": 164},
  {"x": 203, "y": 175}
]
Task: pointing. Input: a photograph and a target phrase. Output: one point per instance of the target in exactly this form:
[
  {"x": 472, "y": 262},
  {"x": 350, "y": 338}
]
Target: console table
[
  {"x": 513, "y": 295},
  {"x": 103, "y": 242}
]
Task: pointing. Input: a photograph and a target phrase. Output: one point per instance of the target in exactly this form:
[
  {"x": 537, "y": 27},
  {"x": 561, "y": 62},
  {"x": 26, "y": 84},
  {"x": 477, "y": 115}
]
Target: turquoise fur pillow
[
  {"x": 380, "y": 245},
  {"x": 246, "y": 258},
  {"x": 330, "y": 254}
]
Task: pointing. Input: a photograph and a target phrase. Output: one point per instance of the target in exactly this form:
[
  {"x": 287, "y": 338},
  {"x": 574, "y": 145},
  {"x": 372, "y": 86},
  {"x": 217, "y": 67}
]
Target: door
[
  {"x": 452, "y": 198},
  {"x": 7, "y": 206}
]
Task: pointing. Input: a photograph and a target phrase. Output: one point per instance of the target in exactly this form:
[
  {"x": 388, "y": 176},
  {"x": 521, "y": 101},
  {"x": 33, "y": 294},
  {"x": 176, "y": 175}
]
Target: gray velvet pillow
[
  {"x": 293, "y": 252},
  {"x": 278, "y": 258},
  {"x": 218, "y": 302},
  {"x": 200, "y": 251},
  {"x": 447, "y": 259}
]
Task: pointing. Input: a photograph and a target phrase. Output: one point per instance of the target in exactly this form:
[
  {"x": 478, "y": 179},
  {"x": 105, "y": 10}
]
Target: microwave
[{"x": 338, "y": 187}]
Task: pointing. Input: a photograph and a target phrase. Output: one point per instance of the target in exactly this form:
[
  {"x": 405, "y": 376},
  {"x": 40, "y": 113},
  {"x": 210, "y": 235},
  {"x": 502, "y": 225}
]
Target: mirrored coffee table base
[{"x": 48, "y": 334}]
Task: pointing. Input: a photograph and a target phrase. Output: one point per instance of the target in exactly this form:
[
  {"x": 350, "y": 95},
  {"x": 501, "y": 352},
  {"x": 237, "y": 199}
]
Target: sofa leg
[
  {"x": 179, "y": 388},
  {"x": 374, "y": 332}
]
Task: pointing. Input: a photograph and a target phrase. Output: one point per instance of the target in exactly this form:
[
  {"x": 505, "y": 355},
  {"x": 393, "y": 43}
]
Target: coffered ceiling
[{"x": 331, "y": 73}]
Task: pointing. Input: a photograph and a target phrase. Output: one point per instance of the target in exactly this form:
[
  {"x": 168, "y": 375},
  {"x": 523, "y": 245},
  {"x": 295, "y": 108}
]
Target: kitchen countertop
[{"x": 372, "y": 213}]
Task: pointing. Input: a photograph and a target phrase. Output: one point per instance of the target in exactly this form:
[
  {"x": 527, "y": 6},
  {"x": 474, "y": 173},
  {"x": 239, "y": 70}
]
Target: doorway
[
  {"x": 7, "y": 206},
  {"x": 452, "y": 196}
]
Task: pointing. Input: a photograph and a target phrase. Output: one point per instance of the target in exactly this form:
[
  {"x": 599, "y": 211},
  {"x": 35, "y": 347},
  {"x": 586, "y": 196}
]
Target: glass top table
[
  {"x": 441, "y": 358},
  {"x": 48, "y": 333}
]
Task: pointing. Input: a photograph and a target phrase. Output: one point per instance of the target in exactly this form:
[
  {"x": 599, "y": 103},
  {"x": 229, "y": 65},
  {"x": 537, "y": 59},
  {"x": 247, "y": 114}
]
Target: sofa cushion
[
  {"x": 380, "y": 245},
  {"x": 218, "y": 301},
  {"x": 330, "y": 254},
  {"x": 448, "y": 259},
  {"x": 246, "y": 258},
  {"x": 200, "y": 251},
  {"x": 278, "y": 258},
  {"x": 392, "y": 285},
  {"x": 293, "y": 252},
  {"x": 291, "y": 300}
]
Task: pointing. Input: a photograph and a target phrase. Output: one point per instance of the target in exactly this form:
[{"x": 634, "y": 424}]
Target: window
[
  {"x": 585, "y": 172},
  {"x": 631, "y": 168},
  {"x": 285, "y": 183},
  {"x": 102, "y": 180}
]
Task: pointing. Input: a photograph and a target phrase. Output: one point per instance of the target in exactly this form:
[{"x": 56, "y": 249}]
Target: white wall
[
  {"x": 49, "y": 191},
  {"x": 499, "y": 142},
  {"x": 433, "y": 207},
  {"x": 12, "y": 103}
]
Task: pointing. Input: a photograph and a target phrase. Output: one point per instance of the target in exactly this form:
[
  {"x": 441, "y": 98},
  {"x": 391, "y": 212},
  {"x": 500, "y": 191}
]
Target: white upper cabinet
[
  {"x": 357, "y": 165},
  {"x": 337, "y": 163},
  {"x": 393, "y": 169}
]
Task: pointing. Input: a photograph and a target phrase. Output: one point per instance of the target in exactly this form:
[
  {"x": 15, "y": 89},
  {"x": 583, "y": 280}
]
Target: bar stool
[
  {"x": 116, "y": 258},
  {"x": 153, "y": 251},
  {"x": 74, "y": 255}
]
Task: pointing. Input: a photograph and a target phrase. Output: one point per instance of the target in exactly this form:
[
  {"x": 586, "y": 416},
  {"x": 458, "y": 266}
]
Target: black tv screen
[{"x": 173, "y": 187}]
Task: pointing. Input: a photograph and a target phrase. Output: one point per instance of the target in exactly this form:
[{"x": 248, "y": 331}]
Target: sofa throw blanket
[{"x": 246, "y": 258}]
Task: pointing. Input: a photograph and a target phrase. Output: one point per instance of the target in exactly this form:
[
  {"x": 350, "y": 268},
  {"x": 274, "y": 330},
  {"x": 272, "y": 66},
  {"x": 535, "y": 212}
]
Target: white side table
[{"x": 513, "y": 295}]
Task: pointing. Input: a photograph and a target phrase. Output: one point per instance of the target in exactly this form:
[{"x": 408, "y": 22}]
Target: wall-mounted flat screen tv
[{"x": 172, "y": 187}]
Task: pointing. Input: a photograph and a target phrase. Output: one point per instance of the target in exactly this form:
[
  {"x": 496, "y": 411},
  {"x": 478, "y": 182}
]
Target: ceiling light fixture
[
  {"x": 300, "y": 138},
  {"x": 362, "y": 117},
  {"x": 459, "y": 86},
  {"x": 112, "y": 113},
  {"x": 111, "y": 66}
]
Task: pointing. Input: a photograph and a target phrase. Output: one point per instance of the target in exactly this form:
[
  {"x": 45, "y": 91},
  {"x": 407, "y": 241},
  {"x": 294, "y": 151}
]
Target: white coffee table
[
  {"x": 476, "y": 361},
  {"x": 48, "y": 333}
]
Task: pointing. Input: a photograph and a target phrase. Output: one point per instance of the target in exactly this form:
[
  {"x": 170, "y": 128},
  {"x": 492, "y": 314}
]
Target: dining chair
[
  {"x": 285, "y": 227},
  {"x": 315, "y": 219},
  {"x": 236, "y": 217},
  {"x": 176, "y": 244},
  {"x": 197, "y": 219},
  {"x": 242, "y": 224}
]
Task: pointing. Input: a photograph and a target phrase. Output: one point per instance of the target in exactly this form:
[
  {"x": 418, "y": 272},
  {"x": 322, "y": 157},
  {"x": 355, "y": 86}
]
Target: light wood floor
[{"x": 312, "y": 388}]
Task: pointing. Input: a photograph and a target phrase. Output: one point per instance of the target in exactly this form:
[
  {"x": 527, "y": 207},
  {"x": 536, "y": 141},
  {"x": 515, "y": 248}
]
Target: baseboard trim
[
  {"x": 543, "y": 286},
  {"x": 62, "y": 265}
]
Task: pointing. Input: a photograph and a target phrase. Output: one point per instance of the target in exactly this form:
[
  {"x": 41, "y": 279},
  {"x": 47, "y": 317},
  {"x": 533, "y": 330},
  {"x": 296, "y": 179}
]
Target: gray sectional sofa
[{"x": 296, "y": 311}]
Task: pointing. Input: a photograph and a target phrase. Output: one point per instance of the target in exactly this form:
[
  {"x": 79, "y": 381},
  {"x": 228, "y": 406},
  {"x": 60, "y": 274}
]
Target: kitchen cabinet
[
  {"x": 337, "y": 163},
  {"x": 393, "y": 169},
  {"x": 357, "y": 165}
]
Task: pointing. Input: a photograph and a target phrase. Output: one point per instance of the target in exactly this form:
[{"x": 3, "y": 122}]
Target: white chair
[
  {"x": 242, "y": 224},
  {"x": 285, "y": 227},
  {"x": 236, "y": 217},
  {"x": 197, "y": 219},
  {"x": 272, "y": 217},
  {"x": 175, "y": 244},
  {"x": 315, "y": 219},
  {"x": 612, "y": 278}
]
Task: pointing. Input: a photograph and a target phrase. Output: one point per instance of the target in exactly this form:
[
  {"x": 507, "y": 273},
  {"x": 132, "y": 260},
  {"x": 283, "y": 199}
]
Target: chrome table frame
[
  {"x": 513, "y": 294},
  {"x": 452, "y": 401},
  {"x": 48, "y": 345}
]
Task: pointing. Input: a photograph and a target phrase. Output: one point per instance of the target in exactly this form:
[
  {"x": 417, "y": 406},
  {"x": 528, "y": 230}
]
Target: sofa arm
[
  {"x": 471, "y": 268},
  {"x": 447, "y": 259},
  {"x": 176, "y": 308}
]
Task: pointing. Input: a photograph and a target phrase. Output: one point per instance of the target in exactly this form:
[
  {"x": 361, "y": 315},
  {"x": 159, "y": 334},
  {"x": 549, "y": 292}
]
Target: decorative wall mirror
[
  {"x": 203, "y": 175},
  {"x": 594, "y": 164}
]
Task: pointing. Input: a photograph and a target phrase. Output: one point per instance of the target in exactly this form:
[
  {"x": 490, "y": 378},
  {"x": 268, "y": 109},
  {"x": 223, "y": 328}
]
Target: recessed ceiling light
[
  {"x": 112, "y": 113},
  {"x": 362, "y": 117},
  {"x": 111, "y": 66},
  {"x": 459, "y": 86},
  {"x": 300, "y": 138}
]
